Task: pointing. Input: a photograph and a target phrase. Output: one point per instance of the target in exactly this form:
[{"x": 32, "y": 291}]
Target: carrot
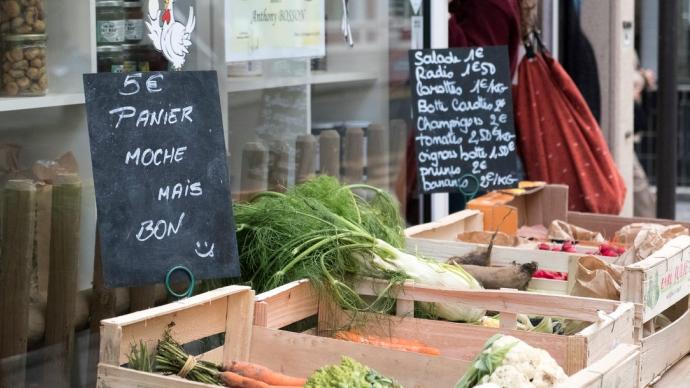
[
  {"x": 234, "y": 380},
  {"x": 261, "y": 373},
  {"x": 406, "y": 345}
]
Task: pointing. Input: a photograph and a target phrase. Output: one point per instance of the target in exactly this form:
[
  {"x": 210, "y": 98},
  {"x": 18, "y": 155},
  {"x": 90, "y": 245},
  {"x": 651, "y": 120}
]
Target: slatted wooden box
[
  {"x": 230, "y": 310},
  {"x": 658, "y": 284},
  {"x": 297, "y": 301},
  {"x": 439, "y": 240}
]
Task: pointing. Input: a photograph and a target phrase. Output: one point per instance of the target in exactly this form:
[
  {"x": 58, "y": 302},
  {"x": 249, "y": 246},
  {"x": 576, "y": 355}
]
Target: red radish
[
  {"x": 556, "y": 249},
  {"x": 568, "y": 247},
  {"x": 544, "y": 247}
]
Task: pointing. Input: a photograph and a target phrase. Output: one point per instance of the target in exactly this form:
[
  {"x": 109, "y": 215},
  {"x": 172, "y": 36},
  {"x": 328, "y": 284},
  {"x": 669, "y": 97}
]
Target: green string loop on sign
[
  {"x": 190, "y": 289},
  {"x": 469, "y": 195}
]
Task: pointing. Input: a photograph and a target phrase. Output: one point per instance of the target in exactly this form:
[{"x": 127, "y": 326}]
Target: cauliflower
[
  {"x": 508, "y": 362},
  {"x": 507, "y": 376},
  {"x": 535, "y": 364}
]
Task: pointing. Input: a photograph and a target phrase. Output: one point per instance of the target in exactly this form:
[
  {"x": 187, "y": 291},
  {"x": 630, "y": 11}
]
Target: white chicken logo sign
[{"x": 169, "y": 36}]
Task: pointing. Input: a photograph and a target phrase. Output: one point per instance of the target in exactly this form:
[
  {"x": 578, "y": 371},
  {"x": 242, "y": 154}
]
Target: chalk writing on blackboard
[
  {"x": 161, "y": 176},
  {"x": 462, "y": 108}
]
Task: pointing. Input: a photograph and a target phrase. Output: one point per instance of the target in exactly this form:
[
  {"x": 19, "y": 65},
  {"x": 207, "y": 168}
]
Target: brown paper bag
[
  {"x": 596, "y": 278},
  {"x": 645, "y": 239},
  {"x": 627, "y": 234},
  {"x": 536, "y": 232},
  {"x": 561, "y": 230}
]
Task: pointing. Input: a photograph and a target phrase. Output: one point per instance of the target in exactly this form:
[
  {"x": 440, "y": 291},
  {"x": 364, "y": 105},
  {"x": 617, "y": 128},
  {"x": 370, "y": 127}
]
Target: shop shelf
[
  {"x": 241, "y": 84},
  {"x": 8, "y": 104}
]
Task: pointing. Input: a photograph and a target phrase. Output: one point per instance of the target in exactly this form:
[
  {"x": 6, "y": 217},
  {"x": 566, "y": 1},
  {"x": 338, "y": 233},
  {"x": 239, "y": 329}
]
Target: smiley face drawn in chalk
[{"x": 209, "y": 251}]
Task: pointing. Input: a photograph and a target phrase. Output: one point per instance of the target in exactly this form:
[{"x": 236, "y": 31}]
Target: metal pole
[
  {"x": 440, "y": 202},
  {"x": 667, "y": 162}
]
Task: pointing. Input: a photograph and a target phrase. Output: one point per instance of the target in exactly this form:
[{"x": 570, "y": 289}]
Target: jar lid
[
  {"x": 109, "y": 49},
  {"x": 132, "y": 4},
  {"x": 110, "y": 3},
  {"x": 322, "y": 126},
  {"x": 25, "y": 37},
  {"x": 357, "y": 124},
  {"x": 134, "y": 46}
]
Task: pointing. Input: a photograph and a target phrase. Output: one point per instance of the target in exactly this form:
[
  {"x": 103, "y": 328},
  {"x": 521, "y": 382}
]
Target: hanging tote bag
[{"x": 559, "y": 139}]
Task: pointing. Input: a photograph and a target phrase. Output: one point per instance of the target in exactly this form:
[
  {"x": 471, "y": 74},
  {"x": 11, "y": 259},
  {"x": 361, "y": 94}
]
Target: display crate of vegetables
[
  {"x": 149, "y": 349},
  {"x": 609, "y": 323},
  {"x": 339, "y": 236},
  {"x": 657, "y": 281}
]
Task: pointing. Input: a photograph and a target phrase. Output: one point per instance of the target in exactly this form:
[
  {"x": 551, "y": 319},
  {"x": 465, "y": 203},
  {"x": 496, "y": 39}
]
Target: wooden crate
[
  {"x": 618, "y": 369},
  {"x": 230, "y": 310},
  {"x": 661, "y": 284},
  {"x": 438, "y": 240},
  {"x": 448, "y": 228},
  {"x": 298, "y": 300},
  {"x": 670, "y": 265},
  {"x": 608, "y": 225}
]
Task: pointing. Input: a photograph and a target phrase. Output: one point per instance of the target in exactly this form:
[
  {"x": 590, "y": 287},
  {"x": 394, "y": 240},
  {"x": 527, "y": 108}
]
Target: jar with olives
[
  {"x": 110, "y": 22},
  {"x": 24, "y": 65},
  {"x": 22, "y": 17}
]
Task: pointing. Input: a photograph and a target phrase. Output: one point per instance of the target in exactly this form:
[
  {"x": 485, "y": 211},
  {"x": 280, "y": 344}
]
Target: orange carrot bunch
[
  {"x": 247, "y": 375},
  {"x": 402, "y": 344}
]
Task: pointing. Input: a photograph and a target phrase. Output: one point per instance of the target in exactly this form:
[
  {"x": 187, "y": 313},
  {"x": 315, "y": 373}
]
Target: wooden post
[
  {"x": 377, "y": 156},
  {"x": 62, "y": 285},
  {"x": 278, "y": 166},
  {"x": 44, "y": 205},
  {"x": 102, "y": 307},
  {"x": 397, "y": 138},
  {"x": 329, "y": 153},
  {"x": 254, "y": 170},
  {"x": 305, "y": 158},
  {"x": 354, "y": 156},
  {"x": 15, "y": 272}
]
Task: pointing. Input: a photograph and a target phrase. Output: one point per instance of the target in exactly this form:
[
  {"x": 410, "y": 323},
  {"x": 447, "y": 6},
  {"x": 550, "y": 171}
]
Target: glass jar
[
  {"x": 22, "y": 17},
  {"x": 110, "y": 59},
  {"x": 156, "y": 59},
  {"x": 134, "y": 22},
  {"x": 136, "y": 57},
  {"x": 24, "y": 65},
  {"x": 110, "y": 22},
  {"x": 130, "y": 58}
]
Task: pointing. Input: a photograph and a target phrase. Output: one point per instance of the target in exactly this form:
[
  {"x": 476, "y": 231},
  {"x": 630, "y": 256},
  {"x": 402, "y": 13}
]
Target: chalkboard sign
[
  {"x": 161, "y": 176},
  {"x": 463, "y": 111}
]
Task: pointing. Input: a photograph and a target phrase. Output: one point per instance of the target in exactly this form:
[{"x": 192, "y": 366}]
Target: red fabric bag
[{"x": 560, "y": 140}]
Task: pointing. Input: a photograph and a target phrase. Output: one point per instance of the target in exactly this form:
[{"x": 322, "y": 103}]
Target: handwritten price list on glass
[
  {"x": 463, "y": 111},
  {"x": 161, "y": 176}
]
